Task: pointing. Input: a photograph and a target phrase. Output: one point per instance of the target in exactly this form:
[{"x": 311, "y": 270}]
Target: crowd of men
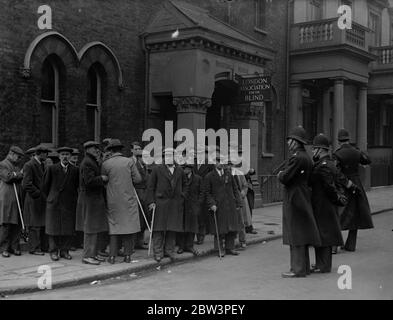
[
  {"x": 110, "y": 200},
  {"x": 322, "y": 196}
]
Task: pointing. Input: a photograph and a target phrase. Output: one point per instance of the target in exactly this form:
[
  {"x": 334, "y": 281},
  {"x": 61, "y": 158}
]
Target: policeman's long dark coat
[
  {"x": 167, "y": 191},
  {"x": 222, "y": 192},
  {"x": 202, "y": 171},
  {"x": 35, "y": 201},
  {"x": 324, "y": 202},
  {"x": 194, "y": 199},
  {"x": 8, "y": 206},
  {"x": 61, "y": 190},
  {"x": 91, "y": 207},
  {"x": 299, "y": 225},
  {"x": 357, "y": 214}
]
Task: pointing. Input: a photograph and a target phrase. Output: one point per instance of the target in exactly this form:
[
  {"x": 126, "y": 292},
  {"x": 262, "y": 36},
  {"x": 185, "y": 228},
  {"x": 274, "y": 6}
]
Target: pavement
[{"x": 22, "y": 274}]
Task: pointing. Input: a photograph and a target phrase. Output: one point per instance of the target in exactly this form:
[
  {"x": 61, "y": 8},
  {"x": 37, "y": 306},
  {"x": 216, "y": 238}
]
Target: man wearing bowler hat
[
  {"x": 35, "y": 202},
  {"x": 299, "y": 226},
  {"x": 10, "y": 175},
  {"x": 357, "y": 214},
  {"x": 61, "y": 189},
  {"x": 91, "y": 210}
]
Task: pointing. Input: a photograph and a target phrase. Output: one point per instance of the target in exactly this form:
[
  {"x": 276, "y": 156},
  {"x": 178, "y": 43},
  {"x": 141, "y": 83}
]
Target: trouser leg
[
  {"x": 189, "y": 241},
  {"x": 113, "y": 245},
  {"x": 129, "y": 241},
  {"x": 53, "y": 244},
  {"x": 102, "y": 241},
  {"x": 44, "y": 240},
  {"x": 299, "y": 260},
  {"x": 158, "y": 243},
  {"x": 230, "y": 240},
  {"x": 4, "y": 237},
  {"x": 65, "y": 243},
  {"x": 170, "y": 242},
  {"x": 34, "y": 239},
  {"x": 90, "y": 245},
  {"x": 242, "y": 235},
  {"x": 350, "y": 244},
  {"x": 323, "y": 258}
]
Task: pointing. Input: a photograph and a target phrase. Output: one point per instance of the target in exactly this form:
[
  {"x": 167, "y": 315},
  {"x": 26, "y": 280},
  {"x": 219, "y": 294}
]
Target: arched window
[
  {"x": 93, "y": 105},
  {"x": 49, "y": 103}
]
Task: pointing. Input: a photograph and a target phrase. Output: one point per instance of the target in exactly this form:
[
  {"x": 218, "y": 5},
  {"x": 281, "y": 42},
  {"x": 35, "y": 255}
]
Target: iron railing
[{"x": 271, "y": 189}]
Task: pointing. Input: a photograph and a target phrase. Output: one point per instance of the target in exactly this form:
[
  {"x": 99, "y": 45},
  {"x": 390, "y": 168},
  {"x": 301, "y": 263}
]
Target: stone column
[
  {"x": 338, "y": 114},
  {"x": 362, "y": 133},
  {"x": 295, "y": 116},
  {"x": 191, "y": 112},
  {"x": 326, "y": 113}
]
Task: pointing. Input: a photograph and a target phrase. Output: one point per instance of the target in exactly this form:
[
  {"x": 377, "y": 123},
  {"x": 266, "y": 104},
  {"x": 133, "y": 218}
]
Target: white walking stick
[
  {"x": 218, "y": 236},
  {"x": 151, "y": 230},
  {"x": 24, "y": 233},
  {"x": 143, "y": 212}
]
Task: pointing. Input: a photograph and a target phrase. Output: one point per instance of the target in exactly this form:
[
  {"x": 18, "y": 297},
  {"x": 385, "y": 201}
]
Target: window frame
[{"x": 98, "y": 105}]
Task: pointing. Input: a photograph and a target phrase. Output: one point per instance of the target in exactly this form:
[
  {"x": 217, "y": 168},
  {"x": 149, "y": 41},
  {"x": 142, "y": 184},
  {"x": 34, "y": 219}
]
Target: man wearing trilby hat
[
  {"x": 35, "y": 202},
  {"x": 60, "y": 186},
  {"x": 122, "y": 205},
  {"x": 10, "y": 176},
  {"x": 165, "y": 192},
  {"x": 299, "y": 226},
  {"x": 357, "y": 214}
]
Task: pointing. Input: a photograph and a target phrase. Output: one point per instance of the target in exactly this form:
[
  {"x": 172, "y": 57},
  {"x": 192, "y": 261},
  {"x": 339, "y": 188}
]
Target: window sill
[
  {"x": 259, "y": 30},
  {"x": 267, "y": 155}
]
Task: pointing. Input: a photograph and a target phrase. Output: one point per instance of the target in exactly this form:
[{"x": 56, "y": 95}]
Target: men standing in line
[
  {"x": 91, "y": 211},
  {"x": 77, "y": 241},
  {"x": 140, "y": 188},
  {"x": 165, "y": 192},
  {"x": 10, "y": 176},
  {"x": 223, "y": 201},
  {"x": 35, "y": 202},
  {"x": 299, "y": 226},
  {"x": 357, "y": 214},
  {"x": 202, "y": 168},
  {"x": 123, "y": 213},
  {"x": 326, "y": 196},
  {"x": 61, "y": 189},
  {"x": 192, "y": 208}
]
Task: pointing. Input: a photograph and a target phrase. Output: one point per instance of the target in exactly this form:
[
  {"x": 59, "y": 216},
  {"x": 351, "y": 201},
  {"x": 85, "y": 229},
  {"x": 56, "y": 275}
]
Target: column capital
[
  {"x": 191, "y": 104},
  {"x": 339, "y": 80}
]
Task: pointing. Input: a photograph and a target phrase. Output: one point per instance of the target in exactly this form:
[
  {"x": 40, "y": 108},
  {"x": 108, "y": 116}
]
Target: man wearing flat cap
[
  {"x": 122, "y": 205},
  {"x": 74, "y": 157},
  {"x": 61, "y": 189},
  {"x": 357, "y": 214},
  {"x": 91, "y": 209},
  {"x": 299, "y": 227},
  {"x": 35, "y": 202},
  {"x": 10, "y": 176},
  {"x": 165, "y": 192},
  {"x": 30, "y": 152}
]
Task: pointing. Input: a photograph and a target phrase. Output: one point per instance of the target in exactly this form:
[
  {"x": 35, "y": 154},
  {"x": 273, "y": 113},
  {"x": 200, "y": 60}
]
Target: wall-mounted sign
[{"x": 255, "y": 89}]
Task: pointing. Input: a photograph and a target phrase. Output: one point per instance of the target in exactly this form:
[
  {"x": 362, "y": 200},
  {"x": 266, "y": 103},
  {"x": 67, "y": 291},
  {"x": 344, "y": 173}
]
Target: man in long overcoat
[
  {"x": 327, "y": 195},
  {"x": 35, "y": 201},
  {"x": 223, "y": 200},
  {"x": 60, "y": 186},
  {"x": 122, "y": 205},
  {"x": 193, "y": 201},
  {"x": 299, "y": 226},
  {"x": 10, "y": 175},
  {"x": 165, "y": 192},
  {"x": 202, "y": 168},
  {"x": 357, "y": 214},
  {"x": 91, "y": 210}
]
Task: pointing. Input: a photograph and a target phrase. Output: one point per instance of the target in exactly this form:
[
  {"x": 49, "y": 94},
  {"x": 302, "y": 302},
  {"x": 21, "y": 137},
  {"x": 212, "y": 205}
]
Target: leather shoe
[
  {"x": 37, "y": 253},
  {"x": 90, "y": 261},
  {"x": 232, "y": 252},
  {"x": 103, "y": 254},
  {"x": 253, "y": 231},
  {"x": 111, "y": 260},
  {"x": 317, "y": 270},
  {"x": 157, "y": 258},
  {"x": 5, "y": 254},
  {"x": 127, "y": 259},
  {"x": 54, "y": 257},
  {"x": 180, "y": 251},
  {"x": 65, "y": 255},
  {"x": 99, "y": 259},
  {"x": 291, "y": 274},
  {"x": 16, "y": 252},
  {"x": 170, "y": 256}
]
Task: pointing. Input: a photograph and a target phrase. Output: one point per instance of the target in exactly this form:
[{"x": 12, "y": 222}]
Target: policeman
[
  {"x": 299, "y": 226},
  {"x": 357, "y": 213},
  {"x": 326, "y": 196}
]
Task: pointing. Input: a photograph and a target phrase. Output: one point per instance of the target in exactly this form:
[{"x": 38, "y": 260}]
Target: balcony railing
[
  {"x": 322, "y": 33},
  {"x": 385, "y": 56},
  {"x": 271, "y": 189}
]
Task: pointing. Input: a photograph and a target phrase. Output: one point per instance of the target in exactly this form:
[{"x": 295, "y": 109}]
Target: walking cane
[
  {"x": 143, "y": 212},
  {"x": 218, "y": 236},
  {"x": 24, "y": 232},
  {"x": 151, "y": 230}
]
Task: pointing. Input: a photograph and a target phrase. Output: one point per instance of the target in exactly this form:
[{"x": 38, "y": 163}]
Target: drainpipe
[
  {"x": 147, "y": 67},
  {"x": 287, "y": 73}
]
